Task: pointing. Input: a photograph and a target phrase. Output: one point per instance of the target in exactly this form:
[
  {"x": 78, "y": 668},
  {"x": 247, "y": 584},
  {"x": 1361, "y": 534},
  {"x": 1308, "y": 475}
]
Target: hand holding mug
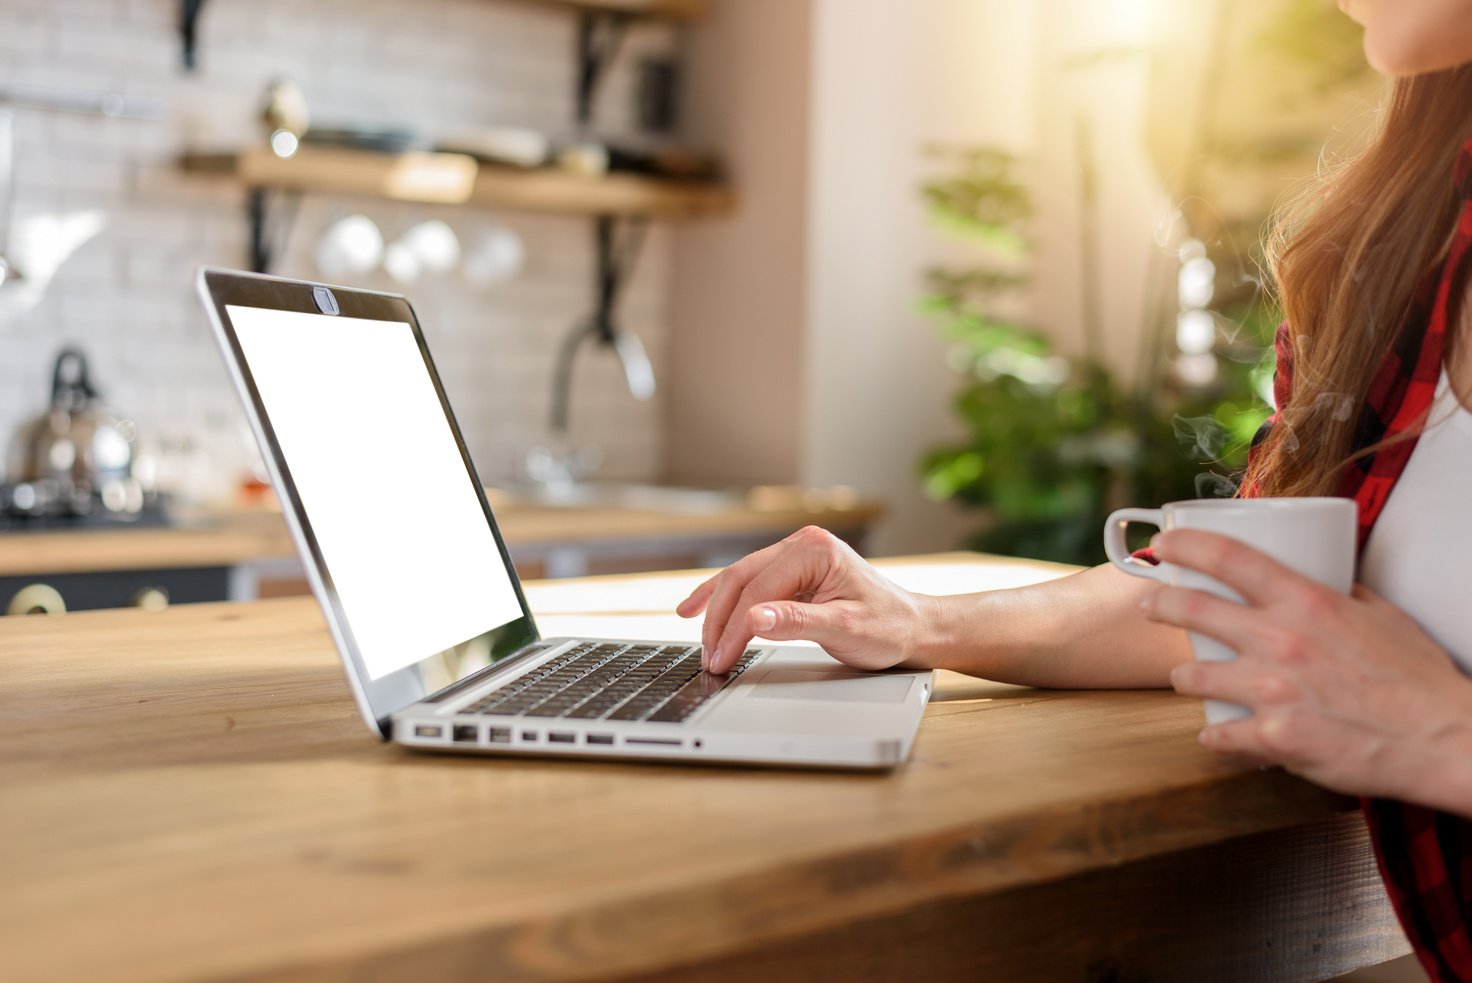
[
  {"x": 1346, "y": 690},
  {"x": 1313, "y": 538}
]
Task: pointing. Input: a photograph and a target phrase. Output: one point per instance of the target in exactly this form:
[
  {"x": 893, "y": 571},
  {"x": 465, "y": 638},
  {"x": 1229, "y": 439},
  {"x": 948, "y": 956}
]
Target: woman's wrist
[
  {"x": 1084, "y": 630},
  {"x": 924, "y": 643},
  {"x": 1439, "y": 774},
  {"x": 947, "y": 632}
]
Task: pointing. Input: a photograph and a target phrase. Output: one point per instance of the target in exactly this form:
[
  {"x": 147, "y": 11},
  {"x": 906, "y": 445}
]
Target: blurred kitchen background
[{"x": 933, "y": 273}]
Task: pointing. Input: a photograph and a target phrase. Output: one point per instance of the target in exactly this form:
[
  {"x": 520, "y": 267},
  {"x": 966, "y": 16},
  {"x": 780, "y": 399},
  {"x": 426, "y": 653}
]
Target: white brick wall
[{"x": 432, "y": 65}]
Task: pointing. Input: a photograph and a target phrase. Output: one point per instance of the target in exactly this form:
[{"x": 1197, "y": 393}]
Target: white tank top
[{"x": 1419, "y": 556}]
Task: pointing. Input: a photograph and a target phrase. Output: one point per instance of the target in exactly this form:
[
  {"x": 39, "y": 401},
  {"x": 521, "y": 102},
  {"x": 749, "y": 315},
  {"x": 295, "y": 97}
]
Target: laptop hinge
[{"x": 481, "y": 675}]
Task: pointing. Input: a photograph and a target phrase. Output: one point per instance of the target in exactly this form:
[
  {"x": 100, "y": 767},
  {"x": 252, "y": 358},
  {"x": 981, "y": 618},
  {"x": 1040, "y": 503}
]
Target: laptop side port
[
  {"x": 428, "y": 730},
  {"x": 529, "y": 737},
  {"x": 499, "y": 735},
  {"x": 600, "y": 738},
  {"x": 466, "y": 734},
  {"x": 561, "y": 737}
]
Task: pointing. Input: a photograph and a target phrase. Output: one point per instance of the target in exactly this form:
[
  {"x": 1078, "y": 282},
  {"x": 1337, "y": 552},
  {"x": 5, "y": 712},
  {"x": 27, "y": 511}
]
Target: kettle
[{"x": 76, "y": 455}]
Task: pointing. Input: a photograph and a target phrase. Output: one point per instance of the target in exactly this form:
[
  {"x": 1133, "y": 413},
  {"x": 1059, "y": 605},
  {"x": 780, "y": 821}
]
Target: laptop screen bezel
[{"x": 378, "y": 699}]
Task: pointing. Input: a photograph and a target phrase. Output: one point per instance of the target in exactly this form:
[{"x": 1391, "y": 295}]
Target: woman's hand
[
  {"x": 1346, "y": 691},
  {"x": 809, "y": 586}
]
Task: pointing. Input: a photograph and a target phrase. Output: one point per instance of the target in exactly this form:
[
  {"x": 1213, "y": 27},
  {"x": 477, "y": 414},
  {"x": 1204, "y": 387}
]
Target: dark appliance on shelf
[
  {"x": 72, "y": 464},
  {"x": 71, "y": 468}
]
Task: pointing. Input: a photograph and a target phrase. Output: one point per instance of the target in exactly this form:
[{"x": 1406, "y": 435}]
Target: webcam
[{"x": 326, "y": 303}]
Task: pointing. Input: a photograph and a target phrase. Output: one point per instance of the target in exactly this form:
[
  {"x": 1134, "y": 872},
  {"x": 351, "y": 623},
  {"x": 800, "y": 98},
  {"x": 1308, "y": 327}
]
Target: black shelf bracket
[
  {"x": 617, "y": 256},
  {"x": 270, "y": 221},
  {"x": 600, "y": 36},
  {"x": 188, "y": 31},
  {"x": 618, "y": 253}
]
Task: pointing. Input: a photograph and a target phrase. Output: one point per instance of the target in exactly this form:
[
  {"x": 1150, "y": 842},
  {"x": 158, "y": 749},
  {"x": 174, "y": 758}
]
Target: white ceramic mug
[{"x": 1313, "y": 536}]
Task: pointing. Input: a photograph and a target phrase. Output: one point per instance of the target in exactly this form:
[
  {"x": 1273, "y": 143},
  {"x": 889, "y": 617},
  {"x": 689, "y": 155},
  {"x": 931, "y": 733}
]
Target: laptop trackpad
[{"x": 828, "y": 686}]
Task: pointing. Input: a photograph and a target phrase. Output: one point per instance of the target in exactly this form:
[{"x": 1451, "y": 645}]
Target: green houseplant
[{"x": 1054, "y": 443}]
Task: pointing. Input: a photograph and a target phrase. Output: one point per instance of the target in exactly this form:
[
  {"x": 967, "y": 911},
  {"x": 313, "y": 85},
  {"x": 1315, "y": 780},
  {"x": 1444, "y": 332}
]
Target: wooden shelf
[
  {"x": 673, "y": 9},
  {"x": 454, "y": 179},
  {"x": 189, "y": 11}
]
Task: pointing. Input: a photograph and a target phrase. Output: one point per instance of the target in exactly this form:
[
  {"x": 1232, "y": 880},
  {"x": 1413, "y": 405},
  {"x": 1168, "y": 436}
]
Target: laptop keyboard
[{"x": 613, "y": 681}]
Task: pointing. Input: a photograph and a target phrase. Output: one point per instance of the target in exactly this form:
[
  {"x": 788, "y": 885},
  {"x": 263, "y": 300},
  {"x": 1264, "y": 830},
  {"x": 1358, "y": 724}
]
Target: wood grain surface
[
  {"x": 189, "y": 794},
  {"x": 1273, "y": 906}
]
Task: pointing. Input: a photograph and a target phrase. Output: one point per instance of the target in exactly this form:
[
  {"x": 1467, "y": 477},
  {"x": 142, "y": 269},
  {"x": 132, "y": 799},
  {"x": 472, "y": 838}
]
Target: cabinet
[{"x": 86, "y": 591}]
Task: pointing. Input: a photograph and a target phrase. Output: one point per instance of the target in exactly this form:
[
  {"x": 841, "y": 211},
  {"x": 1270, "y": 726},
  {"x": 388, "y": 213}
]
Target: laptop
[{"x": 422, "y": 599}]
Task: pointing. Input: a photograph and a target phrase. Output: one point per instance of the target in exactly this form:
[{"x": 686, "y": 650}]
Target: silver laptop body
[{"x": 424, "y": 605}]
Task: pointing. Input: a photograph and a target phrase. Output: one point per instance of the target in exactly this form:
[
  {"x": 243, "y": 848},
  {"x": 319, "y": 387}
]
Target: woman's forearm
[{"x": 1081, "y": 631}]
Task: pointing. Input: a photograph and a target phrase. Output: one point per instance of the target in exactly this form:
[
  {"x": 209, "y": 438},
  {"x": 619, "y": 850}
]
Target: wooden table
[{"x": 189, "y": 794}]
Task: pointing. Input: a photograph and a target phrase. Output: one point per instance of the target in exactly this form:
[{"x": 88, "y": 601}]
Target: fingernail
[
  {"x": 715, "y": 658},
  {"x": 1155, "y": 541},
  {"x": 765, "y": 618}
]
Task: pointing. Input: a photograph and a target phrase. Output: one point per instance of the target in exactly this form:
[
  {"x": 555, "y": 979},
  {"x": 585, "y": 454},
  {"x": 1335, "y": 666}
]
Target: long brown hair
[{"x": 1351, "y": 260}]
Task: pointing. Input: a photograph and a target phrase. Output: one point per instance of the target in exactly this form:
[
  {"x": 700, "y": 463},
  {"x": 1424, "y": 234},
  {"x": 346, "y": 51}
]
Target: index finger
[
  {"x": 776, "y": 582},
  {"x": 1255, "y": 576},
  {"x": 721, "y": 591},
  {"x": 782, "y": 571}
]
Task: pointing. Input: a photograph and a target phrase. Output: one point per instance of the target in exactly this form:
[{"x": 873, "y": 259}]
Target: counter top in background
[{"x": 241, "y": 537}]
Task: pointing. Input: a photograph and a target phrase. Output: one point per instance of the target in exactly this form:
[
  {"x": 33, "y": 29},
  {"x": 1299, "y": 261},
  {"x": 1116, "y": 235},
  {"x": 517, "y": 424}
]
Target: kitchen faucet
[{"x": 561, "y": 465}]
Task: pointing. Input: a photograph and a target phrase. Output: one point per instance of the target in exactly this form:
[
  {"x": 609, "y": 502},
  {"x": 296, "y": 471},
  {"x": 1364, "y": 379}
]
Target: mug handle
[{"x": 1118, "y": 552}]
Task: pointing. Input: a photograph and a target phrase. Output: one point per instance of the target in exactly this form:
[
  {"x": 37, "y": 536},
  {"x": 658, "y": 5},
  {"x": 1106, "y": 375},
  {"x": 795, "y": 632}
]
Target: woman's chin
[{"x": 1396, "y": 59}]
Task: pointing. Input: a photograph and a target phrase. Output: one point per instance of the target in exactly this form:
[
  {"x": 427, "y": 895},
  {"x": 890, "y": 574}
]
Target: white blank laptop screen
[{"x": 382, "y": 483}]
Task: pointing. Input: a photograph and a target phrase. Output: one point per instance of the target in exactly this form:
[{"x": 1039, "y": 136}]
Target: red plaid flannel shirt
[{"x": 1425, "y": 856}]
